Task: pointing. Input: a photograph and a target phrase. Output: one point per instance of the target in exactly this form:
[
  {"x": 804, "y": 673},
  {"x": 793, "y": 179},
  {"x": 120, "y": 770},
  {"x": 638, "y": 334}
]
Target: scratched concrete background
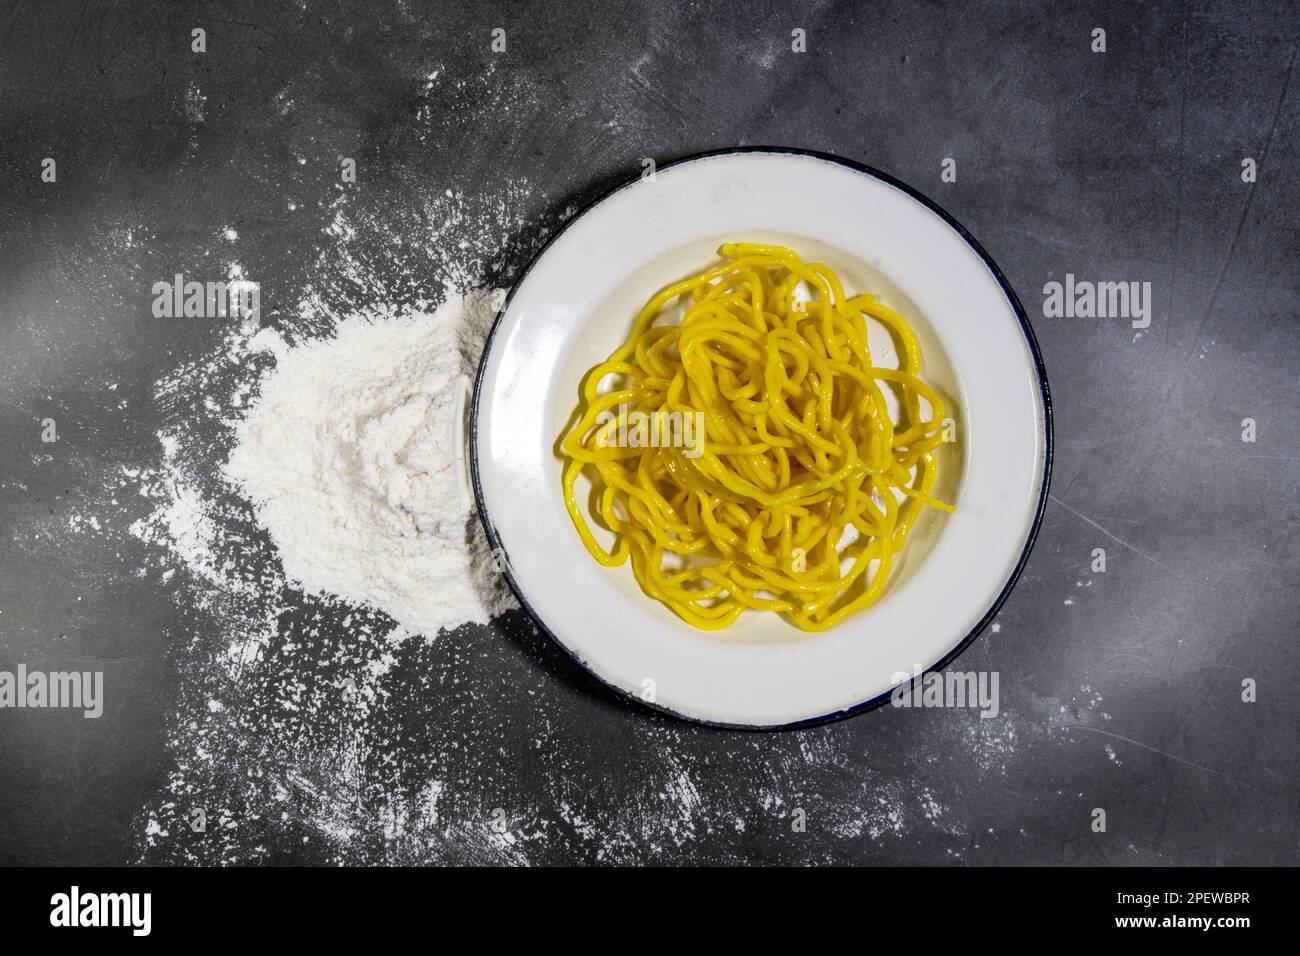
[{"x": 1120, "y": 690}]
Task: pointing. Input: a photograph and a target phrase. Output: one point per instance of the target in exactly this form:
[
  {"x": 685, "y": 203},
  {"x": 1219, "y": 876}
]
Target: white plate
[{"x": 576, "y": 303}]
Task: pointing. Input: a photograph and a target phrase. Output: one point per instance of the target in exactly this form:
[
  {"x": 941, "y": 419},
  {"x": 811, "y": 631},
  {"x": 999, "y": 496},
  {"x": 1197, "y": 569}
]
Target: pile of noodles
[{"x": 801, "y": 489}]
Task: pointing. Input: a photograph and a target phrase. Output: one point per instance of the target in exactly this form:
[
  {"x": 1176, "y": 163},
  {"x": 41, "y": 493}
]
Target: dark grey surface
[{"x": 1123, "y": 166}]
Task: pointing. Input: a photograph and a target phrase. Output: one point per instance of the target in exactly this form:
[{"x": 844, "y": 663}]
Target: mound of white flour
[{"x": 349, "y": 459}]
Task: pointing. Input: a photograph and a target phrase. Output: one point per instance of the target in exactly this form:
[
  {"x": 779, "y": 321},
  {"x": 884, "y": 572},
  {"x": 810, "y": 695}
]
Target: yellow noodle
[{"x": 801, "y": 489}]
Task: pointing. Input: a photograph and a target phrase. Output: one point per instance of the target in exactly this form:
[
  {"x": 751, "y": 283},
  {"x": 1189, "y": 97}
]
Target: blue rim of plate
[{"x": 1025, "y": 328}]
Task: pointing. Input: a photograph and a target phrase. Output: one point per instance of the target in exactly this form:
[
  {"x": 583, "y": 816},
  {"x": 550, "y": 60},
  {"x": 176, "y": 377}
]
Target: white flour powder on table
[
  {"x": 349, "y": 457},
  {"x": 322, "y": 729}
]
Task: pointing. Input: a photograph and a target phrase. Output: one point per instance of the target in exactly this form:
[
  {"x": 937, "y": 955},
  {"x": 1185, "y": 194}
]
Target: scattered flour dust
[
  {"x": 351, "y": 457},
  {"x": 307, "y": 512},
  {"x": 318, "y": 551}
]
